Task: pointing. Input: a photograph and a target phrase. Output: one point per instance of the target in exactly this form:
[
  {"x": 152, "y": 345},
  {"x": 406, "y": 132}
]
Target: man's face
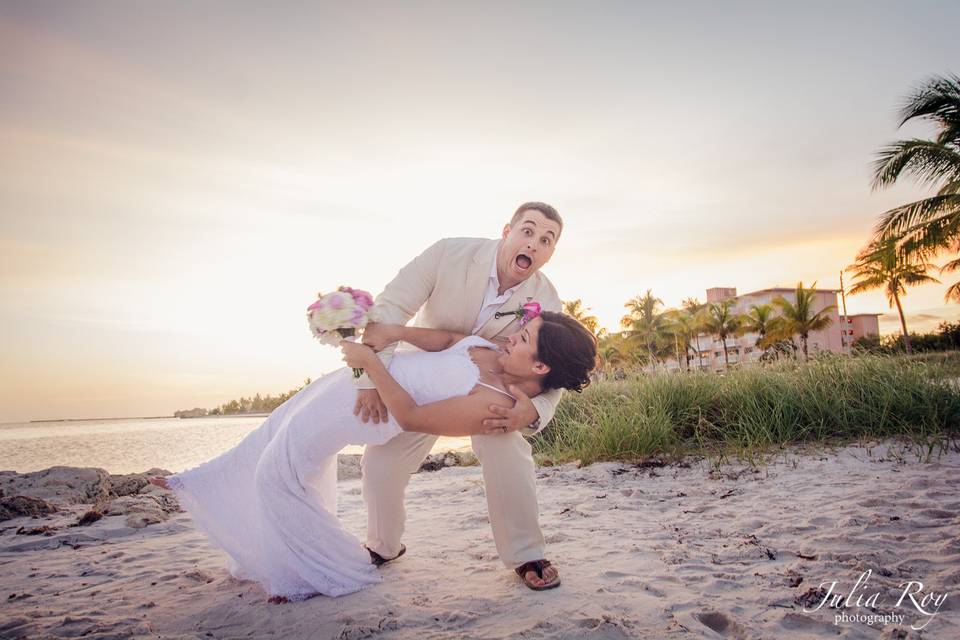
[{"x": 526, "y": 246}]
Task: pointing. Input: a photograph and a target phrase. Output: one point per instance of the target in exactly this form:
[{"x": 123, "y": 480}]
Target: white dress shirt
[{"x": 492, "y": 300}]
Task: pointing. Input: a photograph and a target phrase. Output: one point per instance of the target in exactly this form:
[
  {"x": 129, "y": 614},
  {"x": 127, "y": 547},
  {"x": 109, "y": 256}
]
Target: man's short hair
[{"x": 548, "y": 212}]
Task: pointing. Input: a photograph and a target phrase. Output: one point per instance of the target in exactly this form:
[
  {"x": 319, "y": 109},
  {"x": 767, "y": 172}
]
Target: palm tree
[
  {"x": 759, "y": 319},
  {"x": 884, "y": 265},
  {"x": 577, "y": 311},
  {"x": 695, "y": 309},
  {"x": 683, "y": 326},
  {"x": 644, "y": 321},
  {"x": 778, "y": 339},
  {"x": 799, "y": 317},
  {"x": 931, "y": 224},
  {"x": 611, "y": 355},
  {"x": 721, "y": 322}
]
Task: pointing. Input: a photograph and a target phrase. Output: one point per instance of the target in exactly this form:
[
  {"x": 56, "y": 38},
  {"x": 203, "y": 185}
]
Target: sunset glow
[{"x": 179, "y": 180}]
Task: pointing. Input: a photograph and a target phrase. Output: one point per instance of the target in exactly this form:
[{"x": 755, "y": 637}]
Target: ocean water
[{"x": 133, "y": 445}]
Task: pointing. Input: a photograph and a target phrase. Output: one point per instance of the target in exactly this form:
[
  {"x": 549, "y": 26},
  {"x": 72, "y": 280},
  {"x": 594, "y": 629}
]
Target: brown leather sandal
[
  {"x": 537, "y": 566},
  {"x": 378, "y": 560}
]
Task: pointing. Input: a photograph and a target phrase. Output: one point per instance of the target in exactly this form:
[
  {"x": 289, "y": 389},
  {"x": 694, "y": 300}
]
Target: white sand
[{"x": 677, "y": 551}]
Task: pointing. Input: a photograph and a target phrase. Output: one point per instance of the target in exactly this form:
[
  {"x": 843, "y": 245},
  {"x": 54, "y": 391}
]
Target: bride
[{"x": 270, "y": 502}]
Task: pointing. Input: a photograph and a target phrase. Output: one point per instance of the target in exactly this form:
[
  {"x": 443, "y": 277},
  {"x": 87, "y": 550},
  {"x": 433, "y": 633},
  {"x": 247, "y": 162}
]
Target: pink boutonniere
[{"x": 525, "y": 313}]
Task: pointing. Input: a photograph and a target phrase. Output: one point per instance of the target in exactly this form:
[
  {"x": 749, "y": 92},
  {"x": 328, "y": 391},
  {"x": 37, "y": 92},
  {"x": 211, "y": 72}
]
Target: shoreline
[
  {"x": 88, "y": 420},
  {"x": 170, "y": 417}
]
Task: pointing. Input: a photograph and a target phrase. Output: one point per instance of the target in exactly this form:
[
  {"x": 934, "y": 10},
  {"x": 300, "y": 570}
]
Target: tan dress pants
[{"x": 509, "y": 479}]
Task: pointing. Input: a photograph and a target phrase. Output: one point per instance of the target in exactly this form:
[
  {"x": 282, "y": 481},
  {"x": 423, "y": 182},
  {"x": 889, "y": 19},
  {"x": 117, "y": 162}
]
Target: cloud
[{"x": 915, "y": 317}]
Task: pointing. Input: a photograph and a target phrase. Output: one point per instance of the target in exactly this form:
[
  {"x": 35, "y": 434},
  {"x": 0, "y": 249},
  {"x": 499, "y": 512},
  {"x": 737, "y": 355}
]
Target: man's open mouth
[{"x": 523, "y": 262}]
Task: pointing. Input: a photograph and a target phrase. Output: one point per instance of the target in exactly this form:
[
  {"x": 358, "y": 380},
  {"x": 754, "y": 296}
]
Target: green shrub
[{"x": 832, "y": 398}]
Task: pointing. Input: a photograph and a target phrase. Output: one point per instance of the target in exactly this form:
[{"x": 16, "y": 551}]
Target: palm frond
[
  {"x": 867, "y": 284},
  {"x": 930, "y": 239},
  {"x": 953, "y": 293},
  {"x": 926, "y": 161},
  {"x": 822, "y": 319},
  {"x": 909, "y": 219},
  {"x": 950, "y": 188},
  {"x": 937, "y": 99},
  {"x": 915, "y": 279},
  {"x": 951, "y": 266}
]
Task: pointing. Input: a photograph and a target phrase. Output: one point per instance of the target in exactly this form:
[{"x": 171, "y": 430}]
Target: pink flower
[
  {"x": 336, "y": 302},
  {"x": 363, "y": 298},
  {"x": 316, "y": 305},
  {"x": 530, "y": 311},
  {"x": 524, "y": 314},
  {"x": 360, "y": 297}
]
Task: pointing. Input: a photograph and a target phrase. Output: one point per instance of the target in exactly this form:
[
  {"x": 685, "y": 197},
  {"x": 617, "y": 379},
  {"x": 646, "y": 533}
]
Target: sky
[{"x": 179, "y": 180}]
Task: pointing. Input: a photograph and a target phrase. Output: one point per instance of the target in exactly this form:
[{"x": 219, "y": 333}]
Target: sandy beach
[{"x": 645, "y": 551}]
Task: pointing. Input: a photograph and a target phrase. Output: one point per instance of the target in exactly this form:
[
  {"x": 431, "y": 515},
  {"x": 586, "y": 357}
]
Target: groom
[{"x": 459, "y": 284}]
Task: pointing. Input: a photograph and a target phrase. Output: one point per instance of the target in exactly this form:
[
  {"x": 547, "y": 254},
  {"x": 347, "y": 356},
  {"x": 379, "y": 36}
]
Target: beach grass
[
  {"x": 942, "y": 363},
  {"x": 832, "y": 399}
]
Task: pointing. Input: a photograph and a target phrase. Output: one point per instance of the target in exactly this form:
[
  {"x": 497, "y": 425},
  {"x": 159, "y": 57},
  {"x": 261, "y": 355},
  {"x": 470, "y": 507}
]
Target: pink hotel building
[{"x": 838, "y": 337}]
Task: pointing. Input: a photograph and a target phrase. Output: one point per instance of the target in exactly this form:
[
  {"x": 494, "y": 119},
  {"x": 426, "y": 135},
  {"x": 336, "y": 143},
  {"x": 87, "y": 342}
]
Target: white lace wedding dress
[{"x": 270, "y": 502}]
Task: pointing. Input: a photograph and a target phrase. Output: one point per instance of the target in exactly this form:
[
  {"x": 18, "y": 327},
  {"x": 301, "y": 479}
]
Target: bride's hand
[
  {"x": 356, "y": 355},
  {"x": 378, "y": 335}
]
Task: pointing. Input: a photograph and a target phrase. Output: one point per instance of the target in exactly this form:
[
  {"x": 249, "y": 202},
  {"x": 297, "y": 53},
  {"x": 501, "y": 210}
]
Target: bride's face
[{"x": 519, "y": 356}]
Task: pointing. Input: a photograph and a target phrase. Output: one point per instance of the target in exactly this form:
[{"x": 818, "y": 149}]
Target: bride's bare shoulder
[{"x": 491, "y": 392}]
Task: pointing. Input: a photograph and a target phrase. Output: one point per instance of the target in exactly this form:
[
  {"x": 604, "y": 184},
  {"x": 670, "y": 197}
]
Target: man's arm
[
  {"x": 404, "y": 295},
  {"x": 546, "y": 405},
  {"x": 397, "y": 304}
]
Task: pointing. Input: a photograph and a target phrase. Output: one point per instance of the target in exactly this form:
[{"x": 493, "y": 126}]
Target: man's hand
[
  {"x": 521, "y": 415},
  {"x": 369, "y": 405},
  {"x": 379, "y": 335}
]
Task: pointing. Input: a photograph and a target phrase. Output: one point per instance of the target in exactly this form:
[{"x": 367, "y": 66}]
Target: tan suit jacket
[{"x": 444, "y": 287}]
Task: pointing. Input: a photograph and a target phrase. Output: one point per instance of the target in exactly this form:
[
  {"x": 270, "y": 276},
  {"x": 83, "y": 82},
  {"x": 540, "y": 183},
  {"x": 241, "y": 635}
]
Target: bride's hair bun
[{"x": 569, "y": 349}]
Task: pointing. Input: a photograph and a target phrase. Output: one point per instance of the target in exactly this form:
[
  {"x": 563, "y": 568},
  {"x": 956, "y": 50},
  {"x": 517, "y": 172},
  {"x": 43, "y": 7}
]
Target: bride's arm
[
  {"x": 460, "y": 416},
  {"x": 379, "y": 335}
]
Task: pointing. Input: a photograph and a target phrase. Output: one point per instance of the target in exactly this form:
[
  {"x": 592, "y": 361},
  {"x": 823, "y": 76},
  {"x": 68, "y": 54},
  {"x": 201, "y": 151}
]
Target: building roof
[{"x": 785, "y": 289}]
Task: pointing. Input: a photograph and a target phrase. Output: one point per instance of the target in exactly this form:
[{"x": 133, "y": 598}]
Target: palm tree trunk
[
  {"x": 903, "y": 324},
  {"x": 803, "y": 340},
  {"x": 676, "y": 349},
  {"x": 699, "y": 352},
  {"x": 726, "y": 358}
]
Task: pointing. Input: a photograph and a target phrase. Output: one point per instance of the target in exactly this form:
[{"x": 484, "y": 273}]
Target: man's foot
[
  {"x": 378, "y": 560},
  {"x": 538, "y": 575},
  {"x": 159, "y": 481}
]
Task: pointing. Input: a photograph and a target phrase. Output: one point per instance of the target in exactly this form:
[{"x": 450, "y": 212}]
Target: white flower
[{"x": 335, "y": 310}]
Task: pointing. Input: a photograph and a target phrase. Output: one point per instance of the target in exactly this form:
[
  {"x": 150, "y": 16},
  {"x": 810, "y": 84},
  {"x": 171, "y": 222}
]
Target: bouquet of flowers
[{"x": 339, "y": 316}]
